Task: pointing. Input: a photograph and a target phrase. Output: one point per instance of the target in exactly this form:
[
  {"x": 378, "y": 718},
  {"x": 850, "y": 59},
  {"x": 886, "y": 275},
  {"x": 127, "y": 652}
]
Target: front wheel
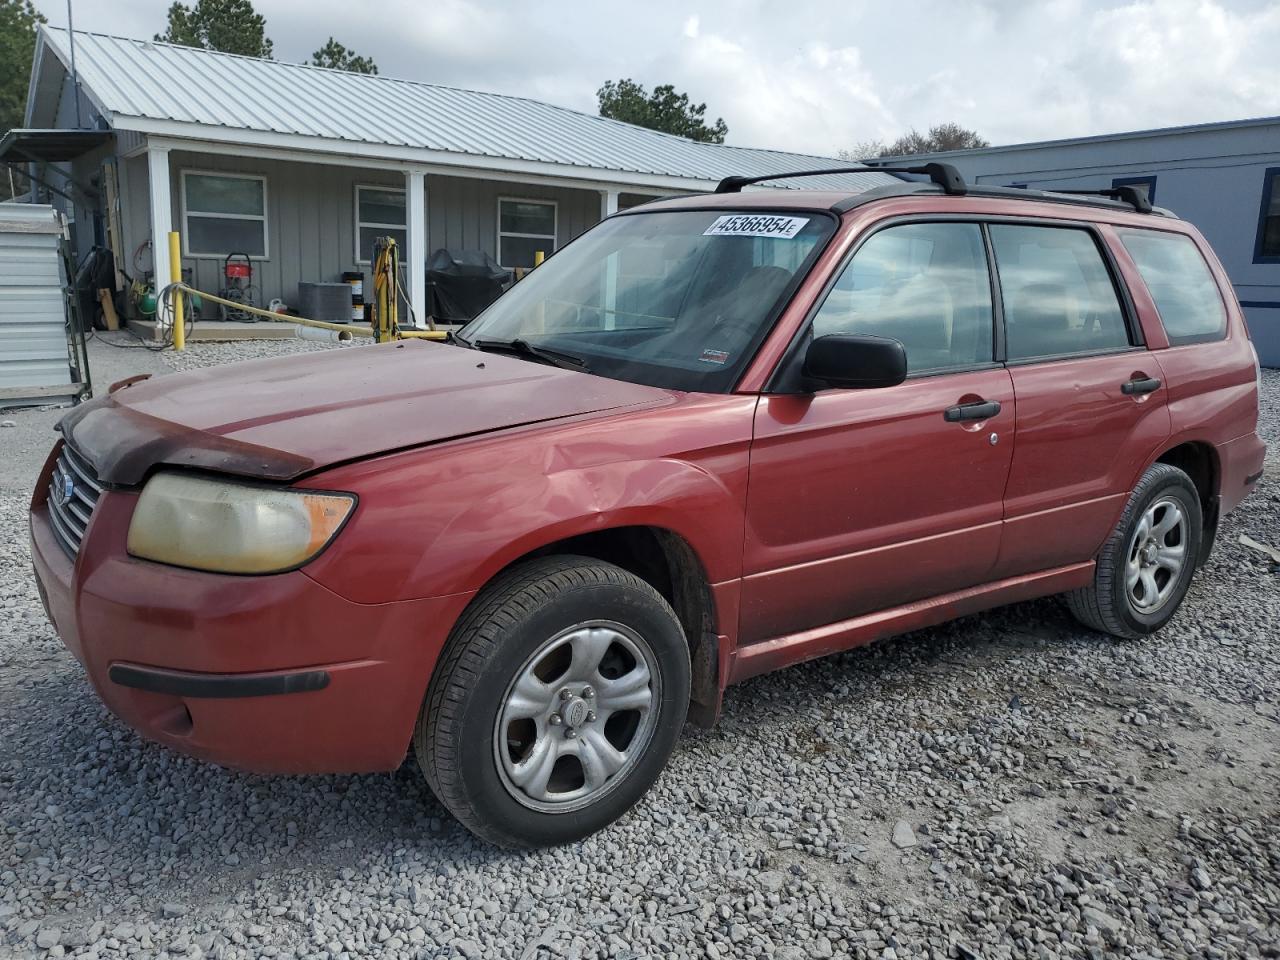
[
  {"x": 1145, "y": 568},
  {"x": 556, "y": 702}
]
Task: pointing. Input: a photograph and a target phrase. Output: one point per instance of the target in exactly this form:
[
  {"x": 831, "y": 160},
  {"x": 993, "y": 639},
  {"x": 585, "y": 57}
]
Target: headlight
[{"x": 232, "y": 528}]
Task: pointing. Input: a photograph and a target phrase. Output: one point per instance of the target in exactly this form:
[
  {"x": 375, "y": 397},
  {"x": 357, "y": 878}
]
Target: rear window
[{"x": 1181, "y": 285}]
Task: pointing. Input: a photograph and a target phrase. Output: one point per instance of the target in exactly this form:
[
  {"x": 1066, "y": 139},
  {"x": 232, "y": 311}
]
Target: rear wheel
[
  {"x": 1145, "y": 567},
  {"x": 556, "y": 703}
]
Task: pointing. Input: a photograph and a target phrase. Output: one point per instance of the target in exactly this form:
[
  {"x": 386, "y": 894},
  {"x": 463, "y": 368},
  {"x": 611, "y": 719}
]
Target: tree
[
  {"x": 941, "y": 137},
  {"x": 663, "y": 110},
  {"x": 18, "y": 19},
  {"x": 230, "y": 26},
  {"x": 864, "y": 150},
  {"x": 337, "y": 57}
]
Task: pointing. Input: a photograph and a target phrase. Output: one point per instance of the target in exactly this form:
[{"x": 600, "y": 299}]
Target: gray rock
[
  {"x": 771, "y": 881},
  {"x": 1103, "y": 921},
  {"x": 48, "y": 937},
  {"x": 903, "y": 835}
]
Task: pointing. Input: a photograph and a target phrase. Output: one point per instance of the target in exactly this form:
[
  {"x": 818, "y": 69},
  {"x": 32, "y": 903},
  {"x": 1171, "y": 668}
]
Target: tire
[
  {"x": 1114, "y": 603},
  {"x": 551, "y": 613}
]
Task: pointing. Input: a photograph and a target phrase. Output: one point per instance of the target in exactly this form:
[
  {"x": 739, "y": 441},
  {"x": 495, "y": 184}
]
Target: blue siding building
[{"x": 1223, "y": 177}]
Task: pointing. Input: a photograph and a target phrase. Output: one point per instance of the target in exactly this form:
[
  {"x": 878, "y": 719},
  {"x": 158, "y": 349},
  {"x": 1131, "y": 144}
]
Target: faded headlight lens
[{"x": 232, "y": 528}]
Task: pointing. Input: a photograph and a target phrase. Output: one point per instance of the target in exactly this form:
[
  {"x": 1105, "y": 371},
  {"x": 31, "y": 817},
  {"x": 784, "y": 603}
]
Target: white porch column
[
  {"x": 416, "y": 256},
  {"x": 161, "y": 220},
  {"x": 608, "y": 203}
]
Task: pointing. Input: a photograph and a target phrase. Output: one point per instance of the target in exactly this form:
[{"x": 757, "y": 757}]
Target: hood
[{"x": 280, "y": 418}]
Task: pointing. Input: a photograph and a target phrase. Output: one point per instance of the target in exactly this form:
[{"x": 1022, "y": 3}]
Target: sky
[{"x": 806, "y": 76}]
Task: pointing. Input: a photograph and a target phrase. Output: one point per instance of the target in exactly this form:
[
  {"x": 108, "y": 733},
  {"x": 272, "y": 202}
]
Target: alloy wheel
[
  {"x": 1157, "y": 553},
  {"x": 577, "y": 716}
]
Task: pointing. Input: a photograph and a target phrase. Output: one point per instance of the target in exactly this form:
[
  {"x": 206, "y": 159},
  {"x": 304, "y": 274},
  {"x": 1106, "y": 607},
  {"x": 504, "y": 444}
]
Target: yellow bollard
[
  {"x": 175, "y": 276},
  {"x": 538, "y": 257}
]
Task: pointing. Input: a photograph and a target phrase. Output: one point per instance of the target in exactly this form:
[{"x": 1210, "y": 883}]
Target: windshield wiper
[
  {"x": 523, "y": 348},
  {"x": 453, "y": 337}
]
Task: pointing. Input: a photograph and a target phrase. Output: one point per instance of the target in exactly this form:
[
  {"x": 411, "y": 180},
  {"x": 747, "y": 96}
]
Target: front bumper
[{"x": 228, "y": 668}]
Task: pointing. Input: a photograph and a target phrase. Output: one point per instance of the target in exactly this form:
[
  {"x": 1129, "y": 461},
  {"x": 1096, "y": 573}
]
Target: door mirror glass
[{"x": 854, "y": 361}]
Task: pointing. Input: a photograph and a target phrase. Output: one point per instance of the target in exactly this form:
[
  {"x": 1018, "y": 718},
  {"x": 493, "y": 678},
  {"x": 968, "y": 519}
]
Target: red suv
[{"x": 712, "y": 437}]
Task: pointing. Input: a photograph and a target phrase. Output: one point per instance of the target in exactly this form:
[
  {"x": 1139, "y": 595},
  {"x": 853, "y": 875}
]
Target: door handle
[
  {"x": 1140, "y": 385},
  {"x": 978, "y": 410}
]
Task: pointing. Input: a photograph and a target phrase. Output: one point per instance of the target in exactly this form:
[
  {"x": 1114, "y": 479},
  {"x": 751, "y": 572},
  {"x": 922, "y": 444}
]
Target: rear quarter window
[{"x": 1185, "y": 293}]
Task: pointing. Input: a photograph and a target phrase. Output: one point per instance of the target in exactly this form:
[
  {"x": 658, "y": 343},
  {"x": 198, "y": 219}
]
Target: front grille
[{"x": 73, "y": 493}]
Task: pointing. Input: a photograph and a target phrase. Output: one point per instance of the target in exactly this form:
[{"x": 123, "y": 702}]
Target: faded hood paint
[{"x": 281, "y": 418}]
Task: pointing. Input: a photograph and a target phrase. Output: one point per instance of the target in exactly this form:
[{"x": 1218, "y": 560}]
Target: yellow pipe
[
  {"x": 175, "y": 276},
  {"x": 353, "y": 329},
  {"x": 424, "y": 334}
]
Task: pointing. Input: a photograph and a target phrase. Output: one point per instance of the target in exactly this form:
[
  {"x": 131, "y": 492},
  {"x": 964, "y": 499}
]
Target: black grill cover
[{"x": 461, "y": 283}]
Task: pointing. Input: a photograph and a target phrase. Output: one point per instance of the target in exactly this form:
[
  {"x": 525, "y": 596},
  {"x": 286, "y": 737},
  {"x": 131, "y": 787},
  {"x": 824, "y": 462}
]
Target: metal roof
[
  {"x": 1145, "y": 134},
  {"x": 147, "y": 80}
]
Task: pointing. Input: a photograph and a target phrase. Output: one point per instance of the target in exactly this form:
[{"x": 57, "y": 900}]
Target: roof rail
[
  {"x": 1126, "y": 193},
  {"x": 943, "y": 174}
]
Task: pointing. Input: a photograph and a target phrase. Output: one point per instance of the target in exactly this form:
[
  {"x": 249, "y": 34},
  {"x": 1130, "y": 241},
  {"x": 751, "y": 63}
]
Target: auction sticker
[{"x": 755, "y": 225}]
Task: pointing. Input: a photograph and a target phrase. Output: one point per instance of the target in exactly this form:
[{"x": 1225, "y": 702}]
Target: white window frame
[
  {"x": 186, "y": 231},
  {"x": 362, "y": 258},
  {"x": 555, "y": 225}
]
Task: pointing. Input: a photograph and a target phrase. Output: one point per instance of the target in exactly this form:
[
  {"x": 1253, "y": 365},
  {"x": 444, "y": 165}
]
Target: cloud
[
  {"x": 809, "y": 100},
  {"x": 1192, "y": 61},
  {"x": 822, "y": 77}
]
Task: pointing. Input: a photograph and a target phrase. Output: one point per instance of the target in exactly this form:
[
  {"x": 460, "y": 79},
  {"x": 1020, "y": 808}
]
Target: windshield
[{"x": 677, "y": 299}]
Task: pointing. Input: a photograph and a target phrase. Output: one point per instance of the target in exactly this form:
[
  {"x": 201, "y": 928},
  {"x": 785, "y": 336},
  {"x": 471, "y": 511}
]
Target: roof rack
[
  {"x": 943, "y": 174},
  {"x": 1126, "y": 193}
]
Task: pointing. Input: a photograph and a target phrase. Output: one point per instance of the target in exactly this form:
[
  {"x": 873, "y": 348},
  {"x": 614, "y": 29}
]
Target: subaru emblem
[{"x": 68, "y": 488}]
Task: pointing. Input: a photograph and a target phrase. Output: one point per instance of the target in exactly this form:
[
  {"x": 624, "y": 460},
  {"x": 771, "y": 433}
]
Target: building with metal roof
[
  {"x": 298, "y": 167},
  {"x": 1223, "y": 177}
]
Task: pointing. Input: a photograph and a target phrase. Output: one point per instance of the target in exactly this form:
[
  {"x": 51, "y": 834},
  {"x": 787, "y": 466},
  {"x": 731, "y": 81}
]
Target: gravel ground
[{"x": 1004, "y": 786}]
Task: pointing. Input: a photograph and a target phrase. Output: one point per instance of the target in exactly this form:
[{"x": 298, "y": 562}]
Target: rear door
[
  {"x": 861, "y": 500},
  {"x": 1091, "y": 407}
]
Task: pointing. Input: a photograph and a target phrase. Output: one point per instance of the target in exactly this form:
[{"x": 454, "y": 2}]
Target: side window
[
  {"x": 925, "y": 284},
  {"x": 1058, "y": 294},
  {"x": 1184, "y": 290}
]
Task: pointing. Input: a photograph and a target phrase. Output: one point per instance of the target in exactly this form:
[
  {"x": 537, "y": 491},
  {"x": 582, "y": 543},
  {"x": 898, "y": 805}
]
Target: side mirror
[{"x": 849, "y": 360}]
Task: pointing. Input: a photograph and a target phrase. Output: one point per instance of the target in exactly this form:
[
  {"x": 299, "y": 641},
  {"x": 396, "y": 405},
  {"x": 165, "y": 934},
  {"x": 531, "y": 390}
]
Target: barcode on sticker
[{"x": 755, "y": 225}]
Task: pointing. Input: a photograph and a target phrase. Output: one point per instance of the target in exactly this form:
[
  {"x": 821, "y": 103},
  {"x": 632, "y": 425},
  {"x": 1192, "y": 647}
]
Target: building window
[
  {"x": 380, "y": 212},
  {"x": 525, "y": 228},
  {"x": 1267, "y": 249},
  {"x": 224, "y": 213},
  {"x": 1144, "y": 184}
]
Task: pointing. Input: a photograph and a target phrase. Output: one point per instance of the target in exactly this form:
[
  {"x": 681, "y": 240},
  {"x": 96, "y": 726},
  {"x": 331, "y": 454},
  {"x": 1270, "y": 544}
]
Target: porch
[{"x": 311, "y": 217}]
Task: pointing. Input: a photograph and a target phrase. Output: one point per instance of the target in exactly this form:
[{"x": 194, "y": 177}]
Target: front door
[{"x": 861, "y": 500}]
